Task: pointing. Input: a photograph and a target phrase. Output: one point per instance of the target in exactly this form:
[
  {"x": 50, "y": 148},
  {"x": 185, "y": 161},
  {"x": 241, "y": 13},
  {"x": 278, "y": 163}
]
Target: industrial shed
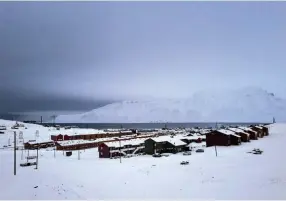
[{"x": 164, "y": 144}]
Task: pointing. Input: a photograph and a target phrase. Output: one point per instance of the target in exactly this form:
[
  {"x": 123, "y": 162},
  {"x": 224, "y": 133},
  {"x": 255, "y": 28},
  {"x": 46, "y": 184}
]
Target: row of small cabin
[
  {"x": 234, "y": 136},
  {"x": 221, "y": 137},
  {"x": 62, "y": 137},
  {"x": 167, "y": 144},
  {"x": 86, "y": 144},
  {"x": 161, "y": 144}
]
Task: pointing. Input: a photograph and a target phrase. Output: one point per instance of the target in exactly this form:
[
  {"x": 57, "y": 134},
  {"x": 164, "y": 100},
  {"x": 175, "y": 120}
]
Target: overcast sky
[{"x": 85, "y": 51}]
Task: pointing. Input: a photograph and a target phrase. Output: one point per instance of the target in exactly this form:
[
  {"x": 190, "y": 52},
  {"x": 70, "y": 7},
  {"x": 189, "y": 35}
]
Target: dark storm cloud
[
  {"x": 23, "y": 101},
  {"x": 44, "y": 48},
  {"x": 91, "y": 51}
]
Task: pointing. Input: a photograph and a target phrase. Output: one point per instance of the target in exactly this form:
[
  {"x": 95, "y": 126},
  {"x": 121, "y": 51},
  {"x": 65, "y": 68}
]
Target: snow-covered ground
[
  {"x": 30, "y": 131},
  {"x": 242, "y": 105},
  {"x": 234, "y": 174}
]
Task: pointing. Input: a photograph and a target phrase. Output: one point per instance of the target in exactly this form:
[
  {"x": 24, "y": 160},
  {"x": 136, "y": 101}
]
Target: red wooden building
[
  {"x": 61, "y": 137},
  {"x": 123, "y": 148},
  {"x": 245, "y": 137},
  {"x": 259, "y": 130},
  {"x": 222, "y": 137},
  {"x": 265, "y": 130},
  {"x": 253, "y": 134}
]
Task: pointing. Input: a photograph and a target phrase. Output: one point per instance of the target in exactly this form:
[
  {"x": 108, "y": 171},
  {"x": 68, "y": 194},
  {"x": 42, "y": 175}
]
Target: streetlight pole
[
  {"x": 37, "y": 156},
  {"x": 15, "y": 153},
  {"x": 54, "y": 150},
  {"x": 215, "y": 144},
  {"x": 120, "y": 149}
]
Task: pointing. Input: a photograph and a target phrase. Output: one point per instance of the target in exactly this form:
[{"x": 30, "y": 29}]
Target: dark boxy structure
[
  {"x": 40, "y": 145},
  {"x": 217, "y": 138},
  {"x": 259, "y": 131},
  {"x": 252, "y": 133},
  {"x": 164, "y": 144},
  {"x": 245, "y": 137},
  {"x": 222, "y": 137},
  {"x": 61, "y": 137},
  {"x": 122, "y": 148},
  {"x": 265, "y": 130}
]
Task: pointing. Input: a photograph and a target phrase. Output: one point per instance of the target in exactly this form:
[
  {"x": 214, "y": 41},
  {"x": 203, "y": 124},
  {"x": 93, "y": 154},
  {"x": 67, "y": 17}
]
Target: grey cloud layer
[{"x": 122, "y": 50}]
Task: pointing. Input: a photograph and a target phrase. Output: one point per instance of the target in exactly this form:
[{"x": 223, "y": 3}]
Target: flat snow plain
[{"x": 234, "y": 174}]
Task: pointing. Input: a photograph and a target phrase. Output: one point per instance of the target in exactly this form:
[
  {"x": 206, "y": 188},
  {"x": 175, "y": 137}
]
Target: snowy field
[{"x": 234, "y": 174}]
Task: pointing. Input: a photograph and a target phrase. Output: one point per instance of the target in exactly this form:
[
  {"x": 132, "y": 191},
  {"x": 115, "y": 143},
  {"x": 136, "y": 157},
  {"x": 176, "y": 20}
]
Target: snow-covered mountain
[{"x": 243, "y": 105}]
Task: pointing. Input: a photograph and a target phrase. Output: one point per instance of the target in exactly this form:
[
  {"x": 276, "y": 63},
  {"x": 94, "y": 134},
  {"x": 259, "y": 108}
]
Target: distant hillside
[{"x": 243, "y": 105}]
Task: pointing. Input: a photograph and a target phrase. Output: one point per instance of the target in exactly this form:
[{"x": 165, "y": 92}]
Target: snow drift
[{"x": 243, "y": 105}]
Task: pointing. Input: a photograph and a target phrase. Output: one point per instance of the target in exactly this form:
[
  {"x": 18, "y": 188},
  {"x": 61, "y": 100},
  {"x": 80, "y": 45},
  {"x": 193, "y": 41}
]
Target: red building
[
  {"x": 252, "y": 133},
  {"x": 123, "y": 148},
  {"x": 110, "y": 134},
  {"x": 57, "y": 137},
  {"x": 259, "y": 130},
  {"x": 265, "y": 130},
  {"x": 222, "y": 137},
  {"x": 245, "y": 137}
]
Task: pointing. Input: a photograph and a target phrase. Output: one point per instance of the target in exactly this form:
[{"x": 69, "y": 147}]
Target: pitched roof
[
  {"x": 227, "y": 132},
  {"x": 247, "y": 129},
  {"x": 238, "y": 130},
  {"x": 124, "y": 143},
  {"x": 173, "y": 140}
]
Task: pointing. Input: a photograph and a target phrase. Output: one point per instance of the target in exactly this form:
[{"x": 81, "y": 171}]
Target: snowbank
[{"x": 234, "y": 174}]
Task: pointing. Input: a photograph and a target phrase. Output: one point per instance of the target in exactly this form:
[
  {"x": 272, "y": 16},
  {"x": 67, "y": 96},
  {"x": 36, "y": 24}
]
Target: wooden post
[
  {"x": 15, "y": 146},
  {"x": 215, "y": 151},
  {"x": 28, "y": 156},
  {"x": 37, "y": 157},
  {"x": 120, "y": 149},
  {"x": 22, "y": 154},
  {"x": 216, "y": 126}
]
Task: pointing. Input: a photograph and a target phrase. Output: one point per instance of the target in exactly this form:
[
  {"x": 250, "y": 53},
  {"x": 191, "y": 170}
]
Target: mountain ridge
[{"x": 241, "y": 105}]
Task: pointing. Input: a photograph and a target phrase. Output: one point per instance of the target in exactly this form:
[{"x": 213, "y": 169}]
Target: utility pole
[
  {"x": 15, "y": 152},
  {"x": 41, "y": 119},
  {"x": 215, "y": 144},
  {"x": 37, "y": 156},
  {"x": 22, "y": 153},
  {"x": 55, "y": 150},
  {"x": 215, "y": 150},
  {"x": 119, "y": 149},
  {"x": 28, "y": 155}
]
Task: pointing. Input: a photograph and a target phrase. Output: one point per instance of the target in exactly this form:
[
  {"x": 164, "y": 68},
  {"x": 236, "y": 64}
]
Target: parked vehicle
[
  {"x": 28, "y": 164},
  {"x": 157, "y": 155},
  {"x": 200, "y": 150},
  {"x": 187, "y": 153},
  {"x": 184, "y": 163}
]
